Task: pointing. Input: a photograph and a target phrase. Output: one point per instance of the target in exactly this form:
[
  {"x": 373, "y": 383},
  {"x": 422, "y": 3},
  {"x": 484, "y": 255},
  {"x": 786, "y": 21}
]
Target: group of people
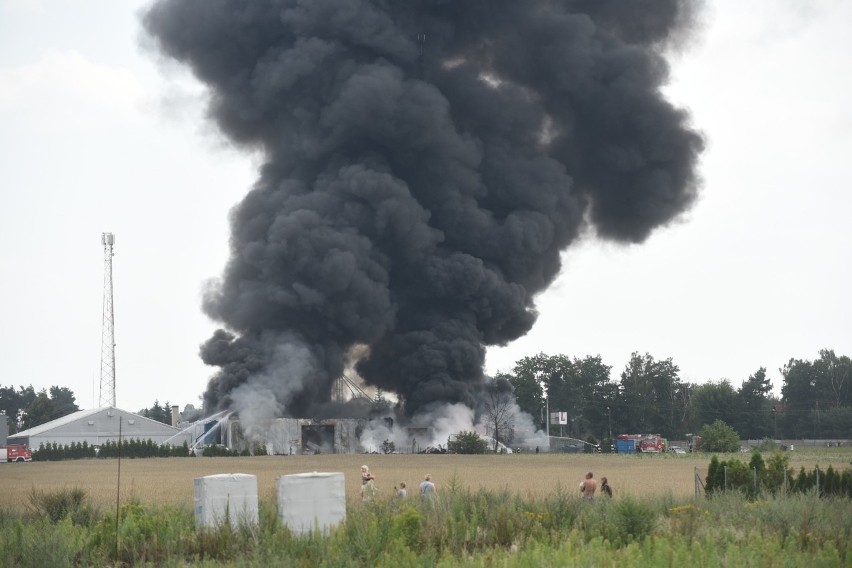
[
  {"x": 369, "y": 489},
  {"x": 589, "y": 486}
]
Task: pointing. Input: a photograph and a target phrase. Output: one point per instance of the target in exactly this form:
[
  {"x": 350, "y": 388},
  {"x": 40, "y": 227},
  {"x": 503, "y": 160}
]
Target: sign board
[{"x": 559, "y": 418}]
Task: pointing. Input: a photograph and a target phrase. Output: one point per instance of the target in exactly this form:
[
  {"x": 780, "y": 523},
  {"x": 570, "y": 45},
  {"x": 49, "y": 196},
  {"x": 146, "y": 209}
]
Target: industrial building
[
  {"x": 298, "y": 436},
  {"x": 98, "y": 426},
  {"x": 282, "y": 436}
]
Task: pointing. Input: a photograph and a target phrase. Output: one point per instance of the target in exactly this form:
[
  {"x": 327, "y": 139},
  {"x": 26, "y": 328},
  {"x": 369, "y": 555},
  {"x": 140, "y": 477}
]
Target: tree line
[
  {"x": 650, "y": 397},
  {"x": 27, "y": 408}
]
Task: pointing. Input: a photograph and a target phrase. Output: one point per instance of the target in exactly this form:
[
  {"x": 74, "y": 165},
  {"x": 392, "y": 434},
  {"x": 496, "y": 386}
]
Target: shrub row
[
  {"x": 774, "y": 476},
  {"x": 133, "y": 448}
]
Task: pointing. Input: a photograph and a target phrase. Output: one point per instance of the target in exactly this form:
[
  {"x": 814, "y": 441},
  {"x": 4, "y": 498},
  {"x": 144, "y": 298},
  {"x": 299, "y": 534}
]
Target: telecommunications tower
[{"x": 107, "y": 397}]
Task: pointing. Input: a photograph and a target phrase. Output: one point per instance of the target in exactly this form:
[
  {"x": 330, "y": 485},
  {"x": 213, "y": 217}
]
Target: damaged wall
[{"x": 287, "y": 436}]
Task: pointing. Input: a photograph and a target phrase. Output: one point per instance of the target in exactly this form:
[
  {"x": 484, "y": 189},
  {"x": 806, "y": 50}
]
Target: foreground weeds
[{"x": 461, "y": 528}]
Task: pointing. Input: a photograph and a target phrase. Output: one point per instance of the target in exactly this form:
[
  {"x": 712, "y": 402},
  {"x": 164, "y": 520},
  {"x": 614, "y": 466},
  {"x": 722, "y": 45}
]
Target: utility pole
[
  {"x": 775, "y": 421},
  {"x": 816, "y": 424},
  {"x": 547, "y": 415},
  {"x": 107, "y": 395},
  {"x": 609, "y": 416}
]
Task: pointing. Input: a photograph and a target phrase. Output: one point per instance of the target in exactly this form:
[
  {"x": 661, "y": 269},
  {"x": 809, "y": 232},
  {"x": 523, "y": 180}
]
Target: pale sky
[{"x": 98, "y": 135}]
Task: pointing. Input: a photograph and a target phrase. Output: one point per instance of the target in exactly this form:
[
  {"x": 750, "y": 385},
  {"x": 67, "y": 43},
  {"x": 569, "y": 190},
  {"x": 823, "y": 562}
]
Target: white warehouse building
[{"x": 98, "y": 426}]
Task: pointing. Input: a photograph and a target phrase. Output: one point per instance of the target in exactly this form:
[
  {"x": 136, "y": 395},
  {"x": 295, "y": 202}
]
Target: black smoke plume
[{"x": 425, "y": 162}]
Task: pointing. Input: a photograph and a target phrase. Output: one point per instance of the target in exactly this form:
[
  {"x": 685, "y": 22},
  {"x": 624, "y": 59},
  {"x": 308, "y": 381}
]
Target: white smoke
[
  {"x": 526, "y": 433},
  {"x": 377, "y": 432},
  {"x": 264, "y": 396},
  {"x": 440, "y": 423},
  {"x": 448, "y": 420}
]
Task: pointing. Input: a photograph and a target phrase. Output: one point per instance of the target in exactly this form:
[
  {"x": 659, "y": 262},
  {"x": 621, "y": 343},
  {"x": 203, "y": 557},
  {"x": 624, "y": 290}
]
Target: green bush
[
  {"x": 633, "y": 520},
  {"x": 778, "y": 472},
  {"x": 54, "y": 506},
  {"x": 719, "y": 437},
  {"x": 715, "y": 477},
  {"x": 467, "y": 443},
  {"x": 39, "y": 543},
  {"x": 407, "y": 524}
]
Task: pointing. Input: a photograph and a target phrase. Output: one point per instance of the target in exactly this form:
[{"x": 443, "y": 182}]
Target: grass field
[
  {"x": 169, "y": 481},
  {"x": 516, "y": 511}
]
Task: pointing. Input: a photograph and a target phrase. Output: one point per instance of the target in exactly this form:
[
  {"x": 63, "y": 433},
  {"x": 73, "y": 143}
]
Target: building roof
[{"x": 79, "y": 415}]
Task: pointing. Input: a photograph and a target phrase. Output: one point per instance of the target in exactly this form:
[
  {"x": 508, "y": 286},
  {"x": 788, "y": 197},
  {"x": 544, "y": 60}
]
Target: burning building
[{"x": 289, "y": 436}]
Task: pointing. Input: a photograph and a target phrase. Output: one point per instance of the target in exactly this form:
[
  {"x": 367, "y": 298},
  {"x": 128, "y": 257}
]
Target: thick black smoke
[{"x": 425, "y": 163}]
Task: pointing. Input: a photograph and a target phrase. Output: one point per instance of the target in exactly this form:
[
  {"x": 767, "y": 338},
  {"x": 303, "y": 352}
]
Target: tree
[
  {"x": 799, "y": 395},
  {"x": 63, "y": 400},
  {"x": 714, "y": 480},
  {"x": 27, "y": 409},
  {"x": 601, "y": 396},
  {"x": 500, "y": 411},
  {"x": 579, "y": 387},
  {"x": 191, "y": 414},
  {"x": 811, "y": 388},
  {"x": 15, "y": 404},
  {"x": 42, "y": 410},
  {"x": 10, "y": 401},
  {"x": 835, "y": 372},
  {"x": 467, "y": 443},
  {"x": 756, "y": 406},
  {"x": 159, "y": 413},
  {"x": 10, "y": 405},
  {"x": 528, "y": 382},
  {"x": 836, "y": 422},
  {"x": 719, "y": 437},
  {"x": 653, "y": 397},
  {"x": 714, "y": 401},
  {"x": 583, "y": 390}
]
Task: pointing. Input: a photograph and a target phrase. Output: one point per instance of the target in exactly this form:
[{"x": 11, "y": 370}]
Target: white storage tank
[
  {"x": 308, "y": 501},
  {"x": 226, "y": 497}
]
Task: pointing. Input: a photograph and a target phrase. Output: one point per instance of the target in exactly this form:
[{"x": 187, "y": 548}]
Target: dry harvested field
[{"x": 170, "y": 480}]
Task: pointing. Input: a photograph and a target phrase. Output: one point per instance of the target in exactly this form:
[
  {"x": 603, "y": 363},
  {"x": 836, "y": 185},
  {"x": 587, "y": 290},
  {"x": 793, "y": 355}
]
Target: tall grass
[{"x": 463, "y": 527}]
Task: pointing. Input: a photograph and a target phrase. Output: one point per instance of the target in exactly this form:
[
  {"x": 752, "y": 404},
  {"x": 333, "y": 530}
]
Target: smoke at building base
[{"x": 424, "y": 164}]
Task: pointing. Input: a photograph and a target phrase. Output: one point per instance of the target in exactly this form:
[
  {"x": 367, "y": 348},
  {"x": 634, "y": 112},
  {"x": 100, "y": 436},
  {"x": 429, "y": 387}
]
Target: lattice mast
[{"x": 107, "y": 395}]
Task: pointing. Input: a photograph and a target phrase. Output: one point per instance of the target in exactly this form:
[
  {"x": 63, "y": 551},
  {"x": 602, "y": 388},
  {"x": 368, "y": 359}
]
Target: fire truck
[
  {"x": 645, "y": 443},
  {"x": 16, "y": 453}
]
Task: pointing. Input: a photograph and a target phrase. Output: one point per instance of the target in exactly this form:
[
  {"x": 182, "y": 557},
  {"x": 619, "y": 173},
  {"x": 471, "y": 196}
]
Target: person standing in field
[
  {"x": 427, "y": 487},
  {"x": 605, "y": 488},
  {"x": 402, "y": 492},
  {"x": 368, "y": 485},
  {"x": 588, "y": 487}
]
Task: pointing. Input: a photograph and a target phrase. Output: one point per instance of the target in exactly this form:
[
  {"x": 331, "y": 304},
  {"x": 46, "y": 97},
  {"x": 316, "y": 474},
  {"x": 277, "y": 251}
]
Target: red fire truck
[{"x": 16, "y": 453}]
